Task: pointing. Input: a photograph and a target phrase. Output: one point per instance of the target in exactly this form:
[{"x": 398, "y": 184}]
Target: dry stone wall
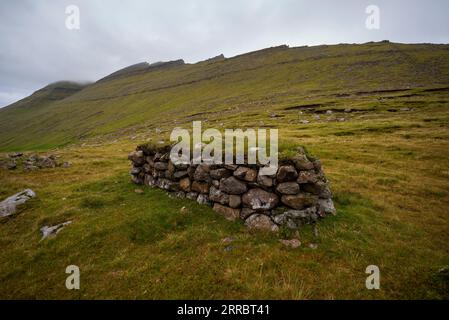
[{"x": 298, "y": 193}]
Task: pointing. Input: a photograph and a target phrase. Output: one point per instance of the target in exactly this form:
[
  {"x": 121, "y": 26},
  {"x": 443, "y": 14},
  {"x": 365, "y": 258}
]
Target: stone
[
  {"x": 164, "y": 183},
  {"x": 135, "y": 170},
  {"x": 66, "y": 164},
  {"x": 261, "y": 222},
  {"x": 246, "y": 174},
  {"x": 180, "y": 194},
  {"x": 264, "y": 181},
  {"x": 11, "y": 166},
  {"x": 231, "y": 167},
  {"x": 314, "y": 188},
  {"x": 246, "y": 212},
  {"x": 235, "y": 201},
  {"x": 137, "y": 157},
  {"x": 184, "y": 210},
  {"x": 232, "y": 185},
  {"x": 200, "y": 187},
  {"x": 326, "y": 207},
  {"x": 299, "y": 201},
  {"x": 227, "y": 240},
  {"x": 286, "y": 174},
  {"x": 149, "y": 180},
  {"x": 184, "y": 184},
  {"x": 288, "y": 188},
  {"x": 220, "y": 173},
  {"x": 203, "y": 199},
  {"x": 216, "y": 195},
  {"x": 259, "y": 199},
  {"x": 180, "y": 174},
  {"x": 216, "y": 183},
  {"x": 308, "y": 176},
  {"x": 15, "y": 155},
  {"x": 192, "y": 195},
  {"x": 138, "y": 190},
  {"x": 229, "y": 213},
  {"x": 202, "y": 173},
  {"x": 301, "y": 162},
  {"x": 293, "y": 243},
  {"x": 161, "y": 166},
  {"x": 54, "y": 230},
  {"x": 9, "y": 205}
]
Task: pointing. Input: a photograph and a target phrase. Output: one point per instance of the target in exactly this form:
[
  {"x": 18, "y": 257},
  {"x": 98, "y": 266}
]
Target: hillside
[
  {"x": 376, "y": 115},
  {"x": 281, "y": 79}
]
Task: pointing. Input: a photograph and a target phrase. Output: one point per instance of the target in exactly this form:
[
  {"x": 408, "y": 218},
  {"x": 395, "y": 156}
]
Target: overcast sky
[{"x": 36, "y": 47}]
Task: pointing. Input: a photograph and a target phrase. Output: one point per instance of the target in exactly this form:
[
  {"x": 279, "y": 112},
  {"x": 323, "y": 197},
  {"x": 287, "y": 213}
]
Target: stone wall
[{"x": 297, "y": 194}]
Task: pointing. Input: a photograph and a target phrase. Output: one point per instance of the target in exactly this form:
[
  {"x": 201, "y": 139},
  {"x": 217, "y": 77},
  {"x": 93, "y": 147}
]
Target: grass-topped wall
[{"x": 297, "y": 193}]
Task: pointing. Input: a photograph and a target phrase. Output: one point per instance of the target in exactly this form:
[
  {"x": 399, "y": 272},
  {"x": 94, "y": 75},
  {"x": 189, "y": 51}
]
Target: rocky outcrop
[{"x": 296, "y": 194}]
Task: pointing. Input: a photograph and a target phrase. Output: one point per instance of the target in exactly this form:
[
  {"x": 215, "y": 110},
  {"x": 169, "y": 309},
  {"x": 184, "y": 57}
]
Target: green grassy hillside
[
  {"x": 145, "y": 96},
  {"x": 377, "y": 115}
]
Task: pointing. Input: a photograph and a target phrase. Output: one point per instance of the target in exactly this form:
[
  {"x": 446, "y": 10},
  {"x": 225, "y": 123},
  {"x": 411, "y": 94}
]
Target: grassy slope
[{"x": 388, "y": 172}]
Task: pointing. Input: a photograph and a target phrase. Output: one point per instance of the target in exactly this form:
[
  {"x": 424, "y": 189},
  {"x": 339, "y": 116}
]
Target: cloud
[{"x": 37, "y": 48}]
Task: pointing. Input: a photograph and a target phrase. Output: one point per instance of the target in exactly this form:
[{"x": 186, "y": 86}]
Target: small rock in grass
[
  {"x": 138, "y": 191},
  {"x": 313, "y": 246},
  {"x": 293, "y": 243}
]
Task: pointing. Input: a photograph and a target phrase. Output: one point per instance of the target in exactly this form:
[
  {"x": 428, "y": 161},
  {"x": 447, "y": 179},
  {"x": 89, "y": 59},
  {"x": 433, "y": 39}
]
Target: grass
[{"x": 388, "y": 172}]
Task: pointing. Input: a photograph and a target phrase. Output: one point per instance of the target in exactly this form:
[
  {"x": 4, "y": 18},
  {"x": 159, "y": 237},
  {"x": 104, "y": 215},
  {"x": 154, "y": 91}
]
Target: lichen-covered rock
[
  {"x": 229, "y": 213},
  {"x": 259, "y": 199},
  {"x": 301, "y": 162},
  {"x": 9, "y": 205},
  {"x": 137, "y": 157},
  {"x": 286, "y": 174},
  {"x": 300, "y": 200},
  {"x": 232, "y": 185},
  {"x": 264, "y": 181},
  {"x": 288, "y": 188},
  {"x": 216, "y": 195},
  {"x": 246, "y": 174},
  {"x": 261, "y": 222},
  {"x": 192, "y": 195},
  {"x": 203, "y": 199},
  {"x": 220, "y": 173},
  {"x": 202, "y": 173},
  {"x": 308, "y": 176},
  {"x": 161, "y": 166},
  {"x": 326, "y": 207}
]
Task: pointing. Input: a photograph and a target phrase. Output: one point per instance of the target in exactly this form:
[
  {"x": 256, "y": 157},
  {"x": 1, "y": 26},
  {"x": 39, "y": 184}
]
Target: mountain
[{"x": 239, "y": 89}]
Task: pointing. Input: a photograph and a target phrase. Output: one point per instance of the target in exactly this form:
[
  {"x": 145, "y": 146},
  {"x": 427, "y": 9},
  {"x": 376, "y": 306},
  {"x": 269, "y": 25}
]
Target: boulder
[
  {"x": 184, "y": 184},
  {"x": 299, "y": 201},
  {"x": 301, "y": 162},
  {"x": 232, "y": 185},
  {"x": 200, "y": 187},
  {"x": 288, "y": 188},
  {"x": 246, "y": 174},
  {"x": 202, "y": 173},
  {"x": 9, "y": 205},
  {"x": 228, "y": 213},
  {"x": 149, "y": 180},
  {"x": 308, "y": 176},
  {"x": 261, "y": 222},
  {"x": 259, "y": 199},
  {"x": 216, "y": 195},
  {"x": 180, "y": 174},
  {"x": 192, "y": 195},
  {"x": 326, "y": 207},
  {"x": 264, "y": 181},
  {"x": 314, "y": 188},
  {"x": 246, "y": 212},
  {"x": 220, "y": 173},
  {"x": 161, "y": 166},
  {"x": 203, "y": 199},
  {"x": 235, "y": 201},
  {"x": 137, "y": 157},
  {"x": 286, "y": 174}
]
